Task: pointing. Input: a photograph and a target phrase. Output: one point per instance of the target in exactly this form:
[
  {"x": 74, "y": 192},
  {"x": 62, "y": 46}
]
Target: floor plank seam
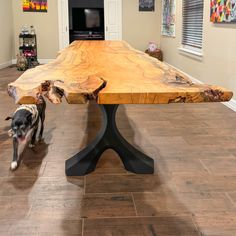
[
  {"x": 42, "y": 174},
  {"x": 29, "y": 212},
  {"x": 82, "y": 233},
  {"x": 125, "y": 193},
  {"x": 137, "y": 217},
  {"x": 135, "y": 208},
  {"x": 109, "y": 174},
  {"x": 196, "y": 226},
  {"x": 85, "y": 180},
  {"x": 205, "y": 167},
  {"x": 230, "y": 199}
]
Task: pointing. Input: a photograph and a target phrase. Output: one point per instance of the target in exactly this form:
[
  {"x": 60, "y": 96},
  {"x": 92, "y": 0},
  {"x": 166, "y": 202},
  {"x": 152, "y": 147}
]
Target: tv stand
[{"x": 86, "y": 35}]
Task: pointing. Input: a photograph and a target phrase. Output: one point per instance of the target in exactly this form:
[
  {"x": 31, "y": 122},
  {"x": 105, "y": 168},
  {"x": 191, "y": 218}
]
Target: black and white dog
[{"x": 24, "y": 127}]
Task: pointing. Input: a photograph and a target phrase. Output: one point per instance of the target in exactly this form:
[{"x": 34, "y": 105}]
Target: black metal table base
[{"x": 109, "y": 138}]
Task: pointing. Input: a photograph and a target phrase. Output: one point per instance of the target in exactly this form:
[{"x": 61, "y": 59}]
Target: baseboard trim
[
  {"x": 41, "y": 61},
  {"x": 44, "y": 61},
  {"x": 231, "y": 104},
  {"x": 5, "y": 64}
]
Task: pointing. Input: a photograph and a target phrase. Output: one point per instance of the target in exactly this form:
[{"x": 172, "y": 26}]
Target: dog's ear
[{"x": 9, "y": 118}]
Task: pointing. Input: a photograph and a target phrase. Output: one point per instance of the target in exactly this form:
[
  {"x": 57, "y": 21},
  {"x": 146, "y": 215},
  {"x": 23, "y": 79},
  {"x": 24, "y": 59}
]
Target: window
[{"x": 192, "y": 24}]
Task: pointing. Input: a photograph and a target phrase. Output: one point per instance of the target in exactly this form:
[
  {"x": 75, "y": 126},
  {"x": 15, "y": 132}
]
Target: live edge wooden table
[{"x": 112, "y": 73}]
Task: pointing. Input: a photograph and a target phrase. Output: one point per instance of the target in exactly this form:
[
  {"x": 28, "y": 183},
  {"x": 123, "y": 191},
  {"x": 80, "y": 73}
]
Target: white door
[
  {"x": 113, "y": 19},
  {"x": 63, "y": 22}
]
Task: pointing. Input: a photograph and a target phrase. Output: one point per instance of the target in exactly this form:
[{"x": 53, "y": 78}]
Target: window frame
[{"x": 187, "y": 49}]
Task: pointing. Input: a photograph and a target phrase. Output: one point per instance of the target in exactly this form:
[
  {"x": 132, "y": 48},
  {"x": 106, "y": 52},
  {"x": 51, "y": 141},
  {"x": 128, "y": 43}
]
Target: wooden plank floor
[{"x": 193, "y": 191}]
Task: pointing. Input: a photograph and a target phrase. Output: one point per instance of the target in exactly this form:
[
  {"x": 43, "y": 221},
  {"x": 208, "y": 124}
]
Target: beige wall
[
  {"x": 219, "y": 51},
  {"x": 46, "y": 25},
  {"x": 141, "y": 27},
  {"x": 138, "y": 27},
  {"x": 6, "y": 31}
]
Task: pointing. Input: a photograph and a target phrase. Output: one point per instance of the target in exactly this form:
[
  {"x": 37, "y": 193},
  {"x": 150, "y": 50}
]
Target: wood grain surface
[{"x": 111, "y": 72}]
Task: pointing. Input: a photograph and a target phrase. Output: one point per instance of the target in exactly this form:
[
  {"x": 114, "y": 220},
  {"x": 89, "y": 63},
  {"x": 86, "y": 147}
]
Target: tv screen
[{"x": 88, "y": 19}]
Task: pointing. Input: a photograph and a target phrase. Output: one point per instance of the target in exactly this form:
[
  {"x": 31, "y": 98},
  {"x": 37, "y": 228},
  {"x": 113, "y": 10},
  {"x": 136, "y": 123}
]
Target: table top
[{"x": 112, "y": 72}]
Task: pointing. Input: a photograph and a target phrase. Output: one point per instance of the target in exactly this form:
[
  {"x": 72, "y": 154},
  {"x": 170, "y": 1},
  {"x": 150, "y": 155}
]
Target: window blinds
[{"x": 192, "y": 23}]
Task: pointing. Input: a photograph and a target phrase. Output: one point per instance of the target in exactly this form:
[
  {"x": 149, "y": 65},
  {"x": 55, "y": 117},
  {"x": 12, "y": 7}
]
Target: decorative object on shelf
[
  {"x": 223, "y": 11},
  {"x": 152, "y": 47},
  {"x": 168, "y": 18},
  {"x": 146, "y": 5},
  {"x": 32, "y": 30},
  {"x": 29, "y": 53},
  {"x": 28, "y": 46},
  {"x": 157, "y": 53},
  {"x": 25, "y": 29},
  {"x": 21, "y": 63},
  {"x": 35, "y": 5}
]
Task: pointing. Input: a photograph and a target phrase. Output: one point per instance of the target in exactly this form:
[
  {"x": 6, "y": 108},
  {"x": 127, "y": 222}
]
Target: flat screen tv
[{"x": 88, "y": 19}]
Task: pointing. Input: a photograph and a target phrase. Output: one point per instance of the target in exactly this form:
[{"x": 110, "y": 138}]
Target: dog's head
[{"x": 21, "y": 123}]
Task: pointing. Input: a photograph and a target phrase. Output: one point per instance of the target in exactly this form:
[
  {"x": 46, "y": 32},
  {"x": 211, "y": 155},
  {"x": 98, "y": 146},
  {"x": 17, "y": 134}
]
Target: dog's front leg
[
  {"x": 33, "y": 139},
  {"x": 14, "y": 163}
]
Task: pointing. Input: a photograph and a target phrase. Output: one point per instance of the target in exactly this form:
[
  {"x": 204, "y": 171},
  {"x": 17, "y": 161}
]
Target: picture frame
[
  {"x": 35, "y": 5},
  {"x": 223, "y": 11},
  {"x": 168, "y": 18},
  {"x": 147, "y": 5}
]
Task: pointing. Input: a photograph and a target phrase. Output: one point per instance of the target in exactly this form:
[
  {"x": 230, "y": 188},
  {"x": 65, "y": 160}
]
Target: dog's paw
[
  {"x": 31, "y": 145},
  {"x": 14, "y": 165}
]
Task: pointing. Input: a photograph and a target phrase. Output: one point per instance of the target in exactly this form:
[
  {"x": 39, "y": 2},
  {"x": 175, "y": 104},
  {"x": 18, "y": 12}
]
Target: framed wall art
[
  {"x": 168, "y": 18},
  {"x": 35, "y": 5},
  {"x": 223, "y": 11},
  {"x": 146, "y": 5}
]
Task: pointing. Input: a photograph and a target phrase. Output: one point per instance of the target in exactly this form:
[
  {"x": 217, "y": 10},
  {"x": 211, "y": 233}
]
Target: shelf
[
  {"x": 27, "y": 36},
  {"x": 27, "y": 47},
  {"x": 30, "y": 52},
  {"x": 85, "y": 37},
  {"x": 31, "y": 57}
]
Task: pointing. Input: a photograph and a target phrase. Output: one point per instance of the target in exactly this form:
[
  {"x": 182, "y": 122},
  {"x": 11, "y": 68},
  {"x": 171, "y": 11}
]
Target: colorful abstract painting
[
  {"x": 168, "y": 18},
  {"x": 223, "y": 11},
  {"x": 35, "y": 5}
]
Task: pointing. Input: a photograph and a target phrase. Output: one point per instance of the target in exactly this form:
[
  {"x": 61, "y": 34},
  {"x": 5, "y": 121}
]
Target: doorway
[
  {"x": 86, "y": 20},
  {"x": 89, "y": 20}
]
